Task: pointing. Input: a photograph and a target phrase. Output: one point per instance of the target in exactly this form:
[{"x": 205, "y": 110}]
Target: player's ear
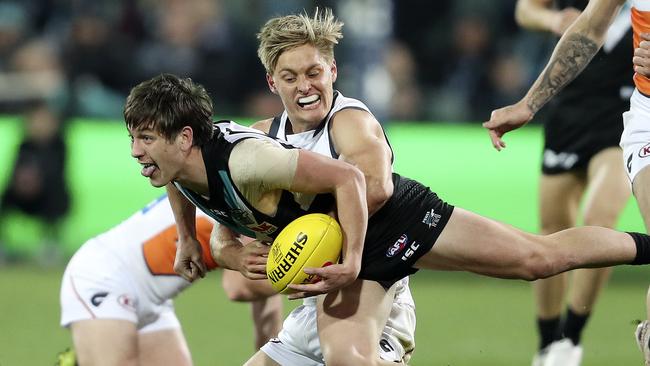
[
  {"x": 271, "y": 83},
  {"x": 186, "y": 138},
  {"x": 334, "y": 70}
]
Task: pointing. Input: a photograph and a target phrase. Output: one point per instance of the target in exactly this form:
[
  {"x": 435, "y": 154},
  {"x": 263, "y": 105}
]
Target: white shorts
[
  {"x": 635, "y": 140},
  {"x": 298, "y": 343},
  {"x": 95, "y": 286}
]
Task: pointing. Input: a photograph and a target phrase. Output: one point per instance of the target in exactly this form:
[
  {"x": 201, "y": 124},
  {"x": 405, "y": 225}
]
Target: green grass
[{"x": 463, "y": 319}]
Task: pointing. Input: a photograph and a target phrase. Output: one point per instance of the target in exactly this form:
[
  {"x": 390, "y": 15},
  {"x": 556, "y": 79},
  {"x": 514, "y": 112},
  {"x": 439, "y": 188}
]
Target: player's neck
[{"x": 193, "y": 175}]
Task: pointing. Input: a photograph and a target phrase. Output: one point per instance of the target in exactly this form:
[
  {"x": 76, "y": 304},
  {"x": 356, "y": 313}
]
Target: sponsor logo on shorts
[
  {"x": 97, "y": 298},
  {"x": 644, "y": 152},
  {"x": 399, "y": 245},
  {"x": 127, "y": 302},
  {"x": 410, "y": 251},
  {"x": 431, "y": 219}
]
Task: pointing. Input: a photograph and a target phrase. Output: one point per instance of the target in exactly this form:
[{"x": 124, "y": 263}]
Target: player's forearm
[
  {"x": 573, "y": 52},
  {"x": 353, "y": 215},
  {"x": 184, "y": 213}
]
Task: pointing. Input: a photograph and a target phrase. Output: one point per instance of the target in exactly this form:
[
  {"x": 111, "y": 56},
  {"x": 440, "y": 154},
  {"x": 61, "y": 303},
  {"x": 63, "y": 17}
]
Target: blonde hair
[{"x": 280, "y": 34}]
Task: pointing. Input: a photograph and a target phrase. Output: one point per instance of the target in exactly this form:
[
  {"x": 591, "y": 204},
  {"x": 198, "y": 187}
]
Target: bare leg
[
  {"x": 477, "y": 244},
  {"x": 267, "y": 317},
  {"x": 163, "y": 347},
  {"x": 642, "y": 195},
  {"x": 559, "y": 202},
  {"x": 105, "y": 342},
  {"x": 350, "y": 323},
  {"x": 261, "y": 359},
  {"x": 607, "y": 195}
]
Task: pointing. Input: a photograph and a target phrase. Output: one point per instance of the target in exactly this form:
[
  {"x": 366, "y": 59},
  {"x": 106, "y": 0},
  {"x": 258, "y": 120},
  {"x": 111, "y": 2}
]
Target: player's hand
[
  {"x": 506, "y": 119},
  {"x": 641, "y": 57},
  {"x": 189, "y": 260},
  {"x": 330, "y": 278},
  {"x": 564, "y": 19},
  {"x": 249, "y": 259}
]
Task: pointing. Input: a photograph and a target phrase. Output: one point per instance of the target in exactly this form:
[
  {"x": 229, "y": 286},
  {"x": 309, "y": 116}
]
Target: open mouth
[
  {"x": 309, "y": 101},
  {"x": 148, "y": 169}
]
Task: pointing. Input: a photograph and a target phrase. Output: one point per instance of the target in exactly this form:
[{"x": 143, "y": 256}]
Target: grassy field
[{"x": 463, "y": 319}]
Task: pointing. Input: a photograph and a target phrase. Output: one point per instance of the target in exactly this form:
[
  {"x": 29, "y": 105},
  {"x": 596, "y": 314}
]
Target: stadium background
[{"x": 442, "y": 72}]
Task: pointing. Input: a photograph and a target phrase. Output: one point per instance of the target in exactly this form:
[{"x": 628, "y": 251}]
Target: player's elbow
[{"x": 377, "y": 196}]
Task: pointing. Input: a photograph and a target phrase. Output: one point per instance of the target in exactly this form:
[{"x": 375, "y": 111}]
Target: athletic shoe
[
  {"x": 563, "y": 353},
  {"x": 642, "y": 339}
]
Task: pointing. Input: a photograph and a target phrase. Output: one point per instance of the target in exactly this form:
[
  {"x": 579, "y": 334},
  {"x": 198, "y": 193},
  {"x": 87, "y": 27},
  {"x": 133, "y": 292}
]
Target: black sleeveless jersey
[{"x": 226, "y": 203}]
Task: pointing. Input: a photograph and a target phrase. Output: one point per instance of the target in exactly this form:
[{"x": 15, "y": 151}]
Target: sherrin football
[{"x": 313, "y": 240}]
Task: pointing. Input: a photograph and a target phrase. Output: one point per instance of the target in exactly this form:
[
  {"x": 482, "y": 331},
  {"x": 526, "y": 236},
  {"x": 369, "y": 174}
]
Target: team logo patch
[
  {"x": 127, "y": 302},
  {"x": 644, "y": 152},
  {"x": 399, "y": 245},
  {"x": 264, "y": 228},
  {"x": 97, "y": 298},
  {"x": 431, "y": 219}
]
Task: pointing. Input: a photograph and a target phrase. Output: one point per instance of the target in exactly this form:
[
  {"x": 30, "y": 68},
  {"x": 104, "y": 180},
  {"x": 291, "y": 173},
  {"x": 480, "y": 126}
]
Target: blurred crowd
[
  {"x": 444, "y": 60},
  {"x": 410, "y": 60}
]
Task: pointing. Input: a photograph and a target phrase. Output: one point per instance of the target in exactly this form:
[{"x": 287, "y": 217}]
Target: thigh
[
  {"x": 105, "y": 342},
  {"x": 350, "y": 321},
  {"x": 608, "y": 188},
  {"x": 641, "y": 187},
  {"x": 477, "y": 244},
  {"x": 261, "y": 359},
  {"x": 163, "y": 347},
  {"x": 559, "y": 200}
]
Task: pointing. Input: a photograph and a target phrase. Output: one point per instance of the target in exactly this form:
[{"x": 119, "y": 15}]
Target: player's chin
[{"x": 158, "y": 182}]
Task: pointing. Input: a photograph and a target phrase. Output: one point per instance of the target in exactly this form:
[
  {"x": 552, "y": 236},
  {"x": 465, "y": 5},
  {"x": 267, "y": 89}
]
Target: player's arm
[
  {"x": 360, "y": 141},
  {"x": 189, "y": 255},
  {"x": 316, "y": 173},
  {"x": 641, "y": 57},
  {"x": 541, "y": 16},
  {"x": 268, "y": 168},
  {"x": 229, "y": 252},
  {"x": 573, "y": 52}
]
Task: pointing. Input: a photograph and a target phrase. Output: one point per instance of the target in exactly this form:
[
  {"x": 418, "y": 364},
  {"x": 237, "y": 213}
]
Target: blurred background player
[
  {"x": 582, "y": 164},
  {"x": 117, "y": 290},
  {"x": 573, "y": 52}
]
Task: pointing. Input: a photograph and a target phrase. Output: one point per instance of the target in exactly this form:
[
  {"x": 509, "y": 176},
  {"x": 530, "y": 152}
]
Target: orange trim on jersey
[
  {"x": 640, "y": 24},
  {"x": 159, "y": 251}
]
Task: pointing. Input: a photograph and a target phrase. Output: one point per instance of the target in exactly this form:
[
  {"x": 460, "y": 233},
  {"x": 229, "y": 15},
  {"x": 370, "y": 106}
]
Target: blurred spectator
[
  {"x": 440, "y": 63},
  {"x": 37, "y": 185}
]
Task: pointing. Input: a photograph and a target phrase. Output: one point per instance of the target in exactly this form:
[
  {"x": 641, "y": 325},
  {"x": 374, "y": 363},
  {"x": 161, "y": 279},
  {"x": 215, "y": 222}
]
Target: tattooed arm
[{"x": 573, "y": 52}]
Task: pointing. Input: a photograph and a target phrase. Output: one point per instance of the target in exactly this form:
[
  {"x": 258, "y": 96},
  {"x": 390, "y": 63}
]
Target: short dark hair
[{"x": 166, "y": 104}]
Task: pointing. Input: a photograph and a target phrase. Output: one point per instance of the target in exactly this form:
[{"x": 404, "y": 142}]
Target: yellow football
[{"x": 313, "y": 240}]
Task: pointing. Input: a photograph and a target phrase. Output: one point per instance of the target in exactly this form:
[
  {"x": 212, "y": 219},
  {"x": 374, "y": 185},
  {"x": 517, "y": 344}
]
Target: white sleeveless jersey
[
  {"x": 319, "y": 141},
  {"x": 143, "y": 248}
]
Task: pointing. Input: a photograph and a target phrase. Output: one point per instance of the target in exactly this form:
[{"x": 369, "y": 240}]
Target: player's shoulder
[{"x": 263, "y": 125}]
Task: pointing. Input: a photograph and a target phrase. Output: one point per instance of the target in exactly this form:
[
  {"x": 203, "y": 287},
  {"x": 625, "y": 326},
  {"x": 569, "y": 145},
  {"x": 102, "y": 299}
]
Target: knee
[
  {"x": 237, "y": 293},
  {"x": 537, "y": 263}
]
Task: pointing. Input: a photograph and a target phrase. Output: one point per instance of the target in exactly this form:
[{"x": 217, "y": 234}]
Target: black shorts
[
  {"x": 402, "y": 231},
  {"x": 576, "y": 130}
]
